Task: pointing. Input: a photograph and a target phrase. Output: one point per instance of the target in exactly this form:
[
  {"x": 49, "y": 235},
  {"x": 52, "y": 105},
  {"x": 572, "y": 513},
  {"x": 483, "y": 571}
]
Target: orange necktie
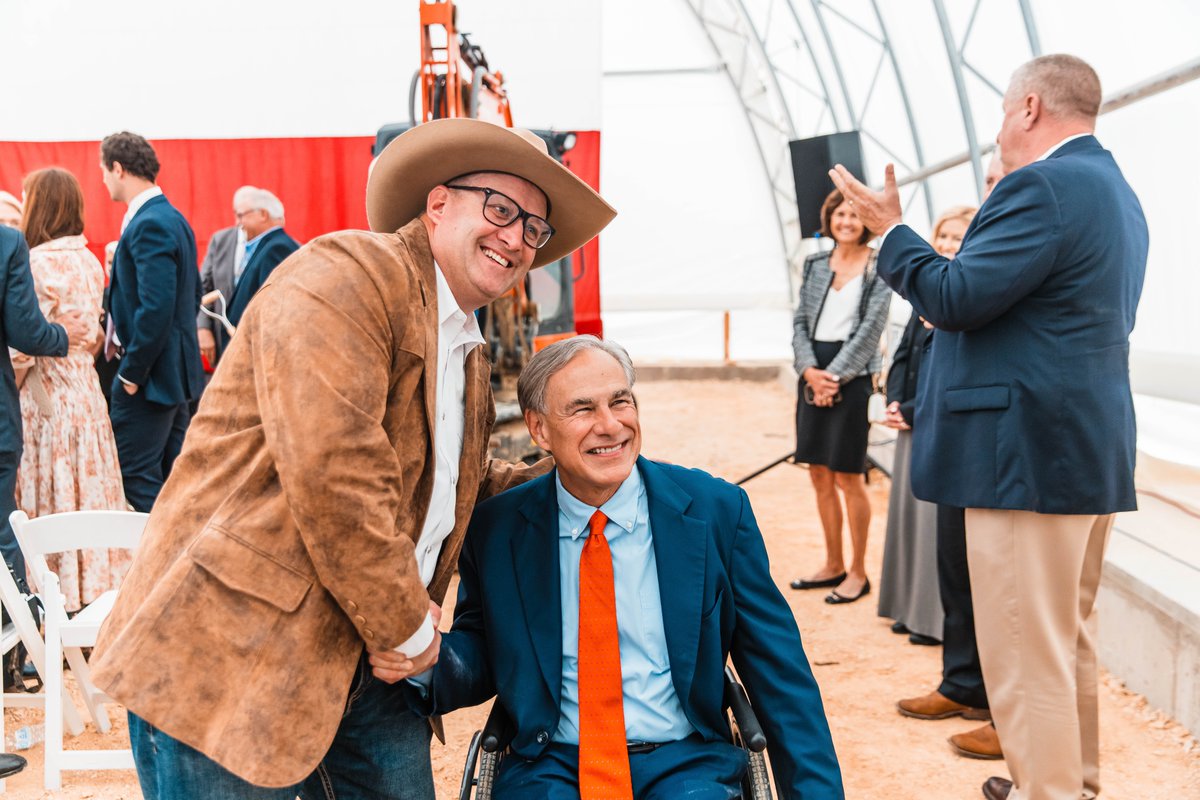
[{"x": 603, "y": 753}]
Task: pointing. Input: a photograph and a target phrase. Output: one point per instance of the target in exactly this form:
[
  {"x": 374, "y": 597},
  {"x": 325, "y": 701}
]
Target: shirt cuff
[
  {"x": 419, "y": 642},
  {"x": 126, "y": 382},
  {"x": 422, "y": 682}
]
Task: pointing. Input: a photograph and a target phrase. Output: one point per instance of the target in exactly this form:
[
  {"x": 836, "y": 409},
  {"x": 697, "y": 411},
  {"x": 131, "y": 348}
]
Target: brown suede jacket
[{"x": 283, "y": 541}]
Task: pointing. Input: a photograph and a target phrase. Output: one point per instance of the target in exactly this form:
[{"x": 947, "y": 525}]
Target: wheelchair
[{"x": 488, "y": 746}]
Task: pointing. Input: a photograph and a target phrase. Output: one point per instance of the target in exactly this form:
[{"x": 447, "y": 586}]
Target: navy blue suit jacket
[
  {"x": 21, "y": 326},
  {"x": 1025, "y": 403},
  {"x": 154, "y": 298},
  {"x": 718, "y": 599},
  {"x": 275, "y": 246}
]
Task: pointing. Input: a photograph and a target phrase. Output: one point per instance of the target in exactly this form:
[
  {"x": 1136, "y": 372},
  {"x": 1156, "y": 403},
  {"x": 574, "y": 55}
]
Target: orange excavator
[{"x": 454, "y": 81}]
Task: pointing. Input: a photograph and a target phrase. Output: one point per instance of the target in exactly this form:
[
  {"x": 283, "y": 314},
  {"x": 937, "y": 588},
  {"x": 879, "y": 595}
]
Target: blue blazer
[
  {"x": 1025, "y": 403},
  {"x": 275, "y": 246},
  {"x": 154, "y": 297},
  {"x": 21, "y": 326},
  {"x": 718, "y": 599}
]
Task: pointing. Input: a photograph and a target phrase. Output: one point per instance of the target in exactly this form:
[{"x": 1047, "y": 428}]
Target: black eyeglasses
[{"x": 502, "y": 211}]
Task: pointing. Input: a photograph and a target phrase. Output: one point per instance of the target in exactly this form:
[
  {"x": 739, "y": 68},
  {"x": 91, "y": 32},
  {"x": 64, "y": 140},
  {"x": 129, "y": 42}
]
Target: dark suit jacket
[
  {"x": 21, "y": 326},
  {"x": 1026, "y": 401},
  {"x": 274, "y": 247},
  {"x": 217, "y": 273},
  {"x": 718, "y": 599},
  {"x": 154, "y": 297},
  {"x": 905, "y": 371}
]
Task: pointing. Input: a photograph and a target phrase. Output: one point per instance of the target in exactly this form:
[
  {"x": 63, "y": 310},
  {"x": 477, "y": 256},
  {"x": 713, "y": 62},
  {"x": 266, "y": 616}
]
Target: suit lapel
[
  {"x": 680, "y": 551},
  {"x": 535, "y": 563},
  {"x": 822, "y": 283}
]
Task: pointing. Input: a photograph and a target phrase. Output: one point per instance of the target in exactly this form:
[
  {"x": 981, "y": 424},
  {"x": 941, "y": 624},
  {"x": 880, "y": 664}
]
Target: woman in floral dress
[{"x": 70, "y": 457}]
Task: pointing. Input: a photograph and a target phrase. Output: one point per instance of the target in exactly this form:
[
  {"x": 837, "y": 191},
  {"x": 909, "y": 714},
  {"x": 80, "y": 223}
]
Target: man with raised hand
[{"x": 1026, "y": 416}]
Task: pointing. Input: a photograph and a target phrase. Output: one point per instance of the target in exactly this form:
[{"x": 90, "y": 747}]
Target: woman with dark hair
[
  {"x": 70, "y": 457},
  {"x": 843, "y": 309}
]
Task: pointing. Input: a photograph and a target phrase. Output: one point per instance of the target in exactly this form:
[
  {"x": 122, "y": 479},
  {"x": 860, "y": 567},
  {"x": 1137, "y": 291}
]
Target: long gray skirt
[{"x": 908, "y": 586}]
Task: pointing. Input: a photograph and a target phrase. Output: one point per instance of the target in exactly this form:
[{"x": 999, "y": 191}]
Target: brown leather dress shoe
[
  {"x": 997, "y": 788},
  {"x": 983, "y": 743},
  {"x": 936, "y": 705}
]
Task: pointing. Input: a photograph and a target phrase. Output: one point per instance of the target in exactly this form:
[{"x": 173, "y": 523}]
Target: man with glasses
[
  {"x": 317, "y": 511},
  {"x": 259, "y": 214}
]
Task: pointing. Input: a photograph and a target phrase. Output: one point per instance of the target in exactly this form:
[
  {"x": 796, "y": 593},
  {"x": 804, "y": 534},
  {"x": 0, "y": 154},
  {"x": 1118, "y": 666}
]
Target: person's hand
[
  {"x": 208, "y": 345},
  {"x": 876, "y": 210},
  {"x": 97, "y": 345},
  {"x": 894, "y": 419},
  {"x": 78, "y": 328},
  {"x": 822, "y": 382},
  {"x": 392, "y": 666},
  {"x": 130, "y": 388}
]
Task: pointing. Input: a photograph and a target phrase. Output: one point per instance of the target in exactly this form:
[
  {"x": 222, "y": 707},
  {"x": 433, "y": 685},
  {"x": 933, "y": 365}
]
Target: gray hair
[
  {"x": 531, "y": 386},
  {"x": 257, "y": 198},
  {"x": 1067, "y": 85}
]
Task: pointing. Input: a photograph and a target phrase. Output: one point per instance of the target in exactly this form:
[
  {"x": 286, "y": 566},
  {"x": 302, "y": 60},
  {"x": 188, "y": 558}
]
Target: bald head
[{"x": 1068, "y": 87}]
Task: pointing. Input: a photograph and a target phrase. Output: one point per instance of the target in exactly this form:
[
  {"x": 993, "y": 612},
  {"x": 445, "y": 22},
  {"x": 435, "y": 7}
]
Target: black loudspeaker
[{"x": 811, "y": 161}]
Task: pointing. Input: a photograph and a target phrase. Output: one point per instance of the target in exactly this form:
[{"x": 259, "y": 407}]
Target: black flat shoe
[
  {"x": 835, "y": 599},
  {"x": 900, "y": 627},
  {"x": 922, "y": 639},
  {"x": 800, "y": 583},
  {"x": 10, "y": 764}
]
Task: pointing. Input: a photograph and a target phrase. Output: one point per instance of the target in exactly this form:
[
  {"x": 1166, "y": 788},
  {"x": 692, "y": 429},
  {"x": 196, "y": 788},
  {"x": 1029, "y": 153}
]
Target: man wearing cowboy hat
[{"x": 320, "y": 501}]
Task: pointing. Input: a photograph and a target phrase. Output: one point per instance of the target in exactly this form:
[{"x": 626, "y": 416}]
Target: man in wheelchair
[{"x": 601, "y": 602}]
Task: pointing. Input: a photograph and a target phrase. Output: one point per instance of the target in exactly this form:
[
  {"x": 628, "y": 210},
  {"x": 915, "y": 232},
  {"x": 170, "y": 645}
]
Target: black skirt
[{"x": 834, "y": 437}]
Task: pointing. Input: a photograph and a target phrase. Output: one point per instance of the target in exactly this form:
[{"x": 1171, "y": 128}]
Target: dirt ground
[{"x": 731, "y": 429}]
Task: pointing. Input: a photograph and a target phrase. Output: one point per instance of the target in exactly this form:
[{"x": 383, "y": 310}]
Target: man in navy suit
[
  {"x": 22, "y": 327},
  {"x": 1027, "y": 412},
  {"x": 683, "y": 584},
  {"x": 154, "y": 297},
  {"x": 260, "y": 215}
]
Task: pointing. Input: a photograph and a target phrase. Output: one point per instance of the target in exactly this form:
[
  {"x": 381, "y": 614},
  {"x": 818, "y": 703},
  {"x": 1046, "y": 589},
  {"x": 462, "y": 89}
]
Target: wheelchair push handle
[
  {"x": 743, "y": 715},
  {"x": 498, "y": 731}
]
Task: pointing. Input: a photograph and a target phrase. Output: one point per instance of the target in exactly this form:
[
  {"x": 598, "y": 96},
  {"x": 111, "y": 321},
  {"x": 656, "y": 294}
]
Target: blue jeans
[
  {"x": 690, "y": 768},
  {"x": 380, "y": 752}
]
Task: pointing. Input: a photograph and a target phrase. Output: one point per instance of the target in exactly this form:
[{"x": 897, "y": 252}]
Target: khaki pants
[{"x": 1033, "y": 582}]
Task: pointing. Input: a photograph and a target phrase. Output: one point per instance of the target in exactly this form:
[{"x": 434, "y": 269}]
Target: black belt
[{"x": 643, "y": 747}]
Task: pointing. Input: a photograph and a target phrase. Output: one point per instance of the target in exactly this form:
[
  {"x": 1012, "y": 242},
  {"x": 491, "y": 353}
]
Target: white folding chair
[
  {"x": 57, "y": 533},
  {"x": 23, "y": 629}
]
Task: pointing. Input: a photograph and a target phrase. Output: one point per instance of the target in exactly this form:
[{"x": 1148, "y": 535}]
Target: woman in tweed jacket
[{"x": 842, "y": 312}]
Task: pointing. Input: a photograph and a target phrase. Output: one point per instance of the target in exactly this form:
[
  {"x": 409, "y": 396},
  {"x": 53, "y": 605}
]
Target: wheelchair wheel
[
  {"x": 758, "y": 777},
  {"x": 489, "y": 765}
]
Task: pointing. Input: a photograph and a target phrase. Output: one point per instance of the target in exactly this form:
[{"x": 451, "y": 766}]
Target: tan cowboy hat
[{"x": 434, "y": 152}]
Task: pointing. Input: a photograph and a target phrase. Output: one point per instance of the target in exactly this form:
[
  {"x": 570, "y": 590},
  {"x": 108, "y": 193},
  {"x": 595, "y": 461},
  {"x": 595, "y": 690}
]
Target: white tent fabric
[{"x": 699, "y": 233}]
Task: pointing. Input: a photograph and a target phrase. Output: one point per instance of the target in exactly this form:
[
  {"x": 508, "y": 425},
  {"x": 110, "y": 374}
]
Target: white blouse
[{"x": 839, "y": 312}]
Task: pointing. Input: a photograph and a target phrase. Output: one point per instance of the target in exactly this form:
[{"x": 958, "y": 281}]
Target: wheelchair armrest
[
  {"x": 498, "y": 731},
  {"x": 743, "y": 715}
]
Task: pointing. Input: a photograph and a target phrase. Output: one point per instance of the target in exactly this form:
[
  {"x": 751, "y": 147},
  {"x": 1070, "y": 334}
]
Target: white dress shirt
[
  {"x": 135, "y": 205},
  {"x": 458, "y": 334}
]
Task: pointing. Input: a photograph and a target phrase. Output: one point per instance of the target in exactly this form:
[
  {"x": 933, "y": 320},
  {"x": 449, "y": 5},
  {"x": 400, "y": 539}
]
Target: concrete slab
[{"x": 1149, "y": 607}]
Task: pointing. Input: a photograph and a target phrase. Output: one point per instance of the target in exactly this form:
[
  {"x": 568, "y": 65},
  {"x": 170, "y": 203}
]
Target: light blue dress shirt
[
  {"x": 251, "y": 246},
  {"x": 652, "y": 709}
]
